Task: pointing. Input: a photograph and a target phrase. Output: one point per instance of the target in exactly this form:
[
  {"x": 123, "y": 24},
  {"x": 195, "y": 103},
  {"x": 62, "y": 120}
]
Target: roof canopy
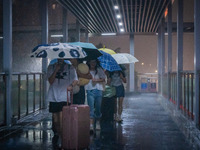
[{"x": 100, "y": 16}]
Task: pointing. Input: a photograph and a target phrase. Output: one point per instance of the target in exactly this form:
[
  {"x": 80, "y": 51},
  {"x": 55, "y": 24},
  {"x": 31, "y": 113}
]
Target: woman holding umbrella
[
  {"x": 94, "y": 92},
  {"x": 117, "y": 80},
  {"x": 79, "y": 93}
]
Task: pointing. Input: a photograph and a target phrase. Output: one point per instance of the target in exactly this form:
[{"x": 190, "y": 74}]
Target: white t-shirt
[
  {"x": 58, "y": 90},
  {"x": 116, "y": 80},
  {"x": 100, "y": 75}
]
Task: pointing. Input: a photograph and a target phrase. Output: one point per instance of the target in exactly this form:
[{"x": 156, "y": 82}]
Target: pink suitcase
[{"x": 76, "y": 127}]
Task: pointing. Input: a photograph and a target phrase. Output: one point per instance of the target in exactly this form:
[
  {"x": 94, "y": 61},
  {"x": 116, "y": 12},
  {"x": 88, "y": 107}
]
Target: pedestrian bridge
[
  {"x": 166, "y": 119},
  {"x": 150, "y": 122}
]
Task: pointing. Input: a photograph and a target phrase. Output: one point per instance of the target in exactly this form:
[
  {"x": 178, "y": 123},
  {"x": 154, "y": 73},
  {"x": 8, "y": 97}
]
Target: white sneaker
[
  {"x": 98, "y": 126},
  {"x": 91, "y": 127}
]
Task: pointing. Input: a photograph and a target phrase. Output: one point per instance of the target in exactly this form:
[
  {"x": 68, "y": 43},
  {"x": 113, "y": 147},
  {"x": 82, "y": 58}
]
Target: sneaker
[
  {"x": 98, "y": 126},
  {"x": 55, "y": 141},
  {"x": 119, "y": 118},
  {"x": 91, "y": 127},
  {"x": 115, "y": 117}
]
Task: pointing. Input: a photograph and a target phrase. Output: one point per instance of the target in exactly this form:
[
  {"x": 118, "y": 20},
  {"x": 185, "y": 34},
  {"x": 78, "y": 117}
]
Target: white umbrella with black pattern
[{"x": 58, "y": 50}]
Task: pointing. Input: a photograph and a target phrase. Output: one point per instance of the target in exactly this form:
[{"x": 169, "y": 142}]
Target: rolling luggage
[{"x": 76, "y": 126}]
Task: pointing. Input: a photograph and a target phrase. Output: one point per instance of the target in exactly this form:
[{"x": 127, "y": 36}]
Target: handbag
[{"x": 109, "y": 91}]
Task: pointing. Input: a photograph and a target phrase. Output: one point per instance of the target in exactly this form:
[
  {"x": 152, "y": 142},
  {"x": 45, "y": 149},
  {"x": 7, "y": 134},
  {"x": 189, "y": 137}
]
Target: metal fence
[
  {"x": 27, "y": 95},
  {"x": 2, "y": 98},
  {"x": 187, "y": 101}
]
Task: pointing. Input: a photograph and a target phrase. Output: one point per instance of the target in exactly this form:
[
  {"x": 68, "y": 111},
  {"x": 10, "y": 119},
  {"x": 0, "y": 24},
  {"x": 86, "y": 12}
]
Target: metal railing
[
  {"x": 187, "y": 101},
  {"x": 27, "y": 94},
  {"x": 2, "y": 98}
]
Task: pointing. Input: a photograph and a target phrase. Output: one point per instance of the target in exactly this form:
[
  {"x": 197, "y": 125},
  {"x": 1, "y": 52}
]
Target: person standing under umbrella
[
  {"x": 62, "y": 78},
  {"x": 79, "y": 97},
  {"x": 94, "y": 92},
  {"x": 117, "y": 80}
]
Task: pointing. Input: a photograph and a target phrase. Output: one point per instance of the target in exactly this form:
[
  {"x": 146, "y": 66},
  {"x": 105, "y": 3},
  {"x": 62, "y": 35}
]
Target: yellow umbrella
[{"x": 109, "y": 51}]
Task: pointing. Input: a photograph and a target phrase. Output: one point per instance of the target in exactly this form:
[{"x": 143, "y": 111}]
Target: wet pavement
[{"x": 147, "y": 124}]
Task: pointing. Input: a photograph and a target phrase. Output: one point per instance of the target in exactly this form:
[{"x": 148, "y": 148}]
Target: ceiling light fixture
[
  {"x": 56, "y": 35},
  {"x": 120, "y": 23},
  {"x": 122, "y": 30},
  {"x": 108, "y": 33},
  {"x": 116, "y": 7},
  {"x": 118, "y": 16}
]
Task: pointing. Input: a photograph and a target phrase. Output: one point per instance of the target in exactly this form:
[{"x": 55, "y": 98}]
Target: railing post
[
  {"x": 19, "y": 101},
  {"x": 34, "y": 92},
  {"x": 7, "y": 55},
  {"x": 192, "y": 100},
  {"x": 45, "y": 33},
  {"x": 27, "y": 97},
  {"x": 131, "y": 66},
  {"x": 196, "y": 57},
  {"x": 169, "y": 58},
  {"x": 179, "y": 51},
  {"x": 40, "y": 103}
]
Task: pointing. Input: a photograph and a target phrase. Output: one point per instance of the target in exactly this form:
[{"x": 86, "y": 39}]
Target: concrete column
[
  {"x": 77, "y": 31},
  {"x": 196, "y": 57},
  {"x": 7, "y": 55},
  {"x": 45, "y": 33},
  {"x": 159, "y": 59},
  {"x": 169, "y": 58},
  {"x": 132, "y": 66},
  {"x": 179, "y": 51},
  {"x": 86, "y": 36},
  {"x": 162, "y": 54},
  {"x": 65, "y": 25}
]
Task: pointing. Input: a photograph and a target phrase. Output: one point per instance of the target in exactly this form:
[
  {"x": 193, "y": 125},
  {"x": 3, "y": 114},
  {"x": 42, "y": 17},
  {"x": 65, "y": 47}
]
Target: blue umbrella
[
  {"x": 91, "y": 51},
  {"x": 56, "y": 60},
  {"x": 107, "y": 62}
]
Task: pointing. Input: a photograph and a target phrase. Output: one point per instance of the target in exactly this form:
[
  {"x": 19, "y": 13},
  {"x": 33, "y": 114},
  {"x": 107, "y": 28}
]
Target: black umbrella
[{"x": 91, "y": 51}]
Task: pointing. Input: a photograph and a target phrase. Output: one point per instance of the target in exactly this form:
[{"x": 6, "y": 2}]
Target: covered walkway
[{"x": 150, "y": 123}]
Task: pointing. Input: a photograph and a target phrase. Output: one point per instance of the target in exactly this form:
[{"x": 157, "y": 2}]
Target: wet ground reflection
[
  {"x": 110, "y": 137},
  {"x": 146, "y": 126}
]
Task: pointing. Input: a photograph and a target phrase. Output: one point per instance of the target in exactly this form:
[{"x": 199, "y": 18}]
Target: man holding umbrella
[{"x": 60, "y": 75}]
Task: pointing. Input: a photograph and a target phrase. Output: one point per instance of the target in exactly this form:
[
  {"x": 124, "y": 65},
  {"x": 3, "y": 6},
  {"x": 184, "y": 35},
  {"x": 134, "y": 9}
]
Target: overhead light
[
  {"x": 54, "y": 6},
  {"x": 56, "y": 35},
  {"x": 108, "y": 33},
  {"x": 1, "y": 37},
  {"x": 122, "y": 30},
  {"x": 165, "y": 33},
  {"x": 116, "y": 7},
  {"x": 120, "y": 23},
  {"x": 118, "y": 16}
]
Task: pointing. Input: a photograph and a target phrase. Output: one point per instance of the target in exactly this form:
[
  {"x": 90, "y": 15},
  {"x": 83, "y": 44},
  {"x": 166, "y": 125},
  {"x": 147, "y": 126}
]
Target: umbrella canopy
[
  {"x": 91, "y": 51},
  {"x": 107, "y": 62},
  {"x": 58, "y": 50},
  {"x": 109, "y": 51},
  {"x": 124, "y": 58}
]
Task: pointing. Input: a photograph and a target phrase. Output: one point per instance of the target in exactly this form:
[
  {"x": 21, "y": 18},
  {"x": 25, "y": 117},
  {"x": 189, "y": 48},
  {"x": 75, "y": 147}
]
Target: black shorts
[{"x": 56, "y": 106}]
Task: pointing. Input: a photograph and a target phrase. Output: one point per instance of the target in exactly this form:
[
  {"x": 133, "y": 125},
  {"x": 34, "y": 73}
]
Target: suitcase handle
[{"x": 69, "y": 94}]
